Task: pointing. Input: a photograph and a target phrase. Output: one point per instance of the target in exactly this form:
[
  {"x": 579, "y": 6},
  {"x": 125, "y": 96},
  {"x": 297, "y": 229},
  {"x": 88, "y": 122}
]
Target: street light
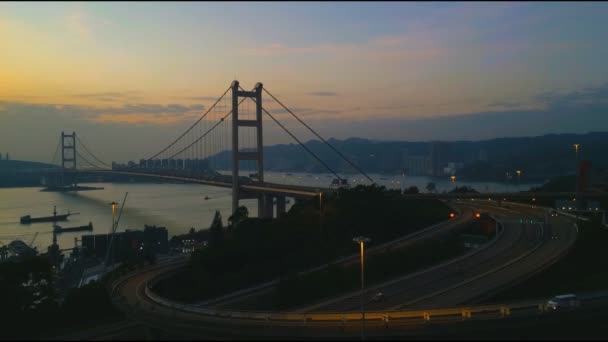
[
  {"x": 518, "y": 174},
  {"x": 453, "y": 178},
  {"x": 361, "y": 240},
  {"x": 577, "y": 180},
  {"x": 321, "y": 215},
  {"x": 113, "y": 204}
]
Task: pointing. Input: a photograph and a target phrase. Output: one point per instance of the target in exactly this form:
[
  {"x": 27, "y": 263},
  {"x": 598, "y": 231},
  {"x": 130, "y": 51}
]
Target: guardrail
[{"x": 465, "y": 311}]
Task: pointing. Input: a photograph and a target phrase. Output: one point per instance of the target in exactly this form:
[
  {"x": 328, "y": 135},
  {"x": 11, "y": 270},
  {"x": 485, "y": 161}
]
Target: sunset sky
[{"x": 129, "y": 77}]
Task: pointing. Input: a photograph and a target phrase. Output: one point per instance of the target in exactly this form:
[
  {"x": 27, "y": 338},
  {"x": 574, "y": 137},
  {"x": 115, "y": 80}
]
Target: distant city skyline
[{"x": 129, "y": 77}]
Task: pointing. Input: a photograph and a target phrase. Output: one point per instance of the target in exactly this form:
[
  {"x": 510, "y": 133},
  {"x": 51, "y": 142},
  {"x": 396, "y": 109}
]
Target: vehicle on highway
[
  {"x": 563, "y": 302},
  {"x": 553, "y": 213},
  {"x": 378, "y": 297}
]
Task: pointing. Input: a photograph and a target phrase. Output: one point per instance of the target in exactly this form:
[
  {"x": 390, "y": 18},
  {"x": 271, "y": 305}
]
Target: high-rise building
[
  {"x": 438, "y": 156},
  {"x": 483, "y": 155},
  {"x": 418, "y": 166}
]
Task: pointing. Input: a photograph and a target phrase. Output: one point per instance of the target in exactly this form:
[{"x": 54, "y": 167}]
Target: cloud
[
  {"x": 109, "y": 96},
  {"x": 589, "y": 96},
  {"x": 198, "y": 98},
  {"x": 127, "y": 113},
  {"x": 323, "y": 93},
  {"x": 507, "y": 104},
  {"x": 304, "y": 112}
]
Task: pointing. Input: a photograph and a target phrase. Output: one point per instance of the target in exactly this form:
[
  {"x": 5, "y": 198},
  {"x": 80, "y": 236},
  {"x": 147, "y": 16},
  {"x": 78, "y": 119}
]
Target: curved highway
[{"x": 518, "y": 252}]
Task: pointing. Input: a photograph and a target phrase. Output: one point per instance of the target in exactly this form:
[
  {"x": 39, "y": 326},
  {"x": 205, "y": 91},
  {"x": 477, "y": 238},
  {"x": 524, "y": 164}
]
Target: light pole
[
  {"x": 113, "y": 204},
  {"x": 361, "y": 240},
  {"x": 111, "y": 251},
  {"x": 321, "y": 215},
  {"x": 576, "y": 146}
]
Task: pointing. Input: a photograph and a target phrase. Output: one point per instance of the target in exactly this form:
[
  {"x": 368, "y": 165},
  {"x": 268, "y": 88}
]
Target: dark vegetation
[
  {"x": 32, "y": 309},
  {"x": 463, "y": 190},
  {"x": 294, "y": 290},
  {"x": 258, "y": 250}
]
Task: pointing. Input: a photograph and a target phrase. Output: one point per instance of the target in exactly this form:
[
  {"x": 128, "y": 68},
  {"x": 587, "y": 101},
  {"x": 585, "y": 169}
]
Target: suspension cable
[
  {"x": 318, "y": 136},
  {"x": 87, "y": 161},
  {"x": 299, "y": 142},
  {"x": 208, "y": 131},
  {"x": 56, "y": 150},
  {"x": 188, "y": 130},
  {"x": 91, "y": 153}
]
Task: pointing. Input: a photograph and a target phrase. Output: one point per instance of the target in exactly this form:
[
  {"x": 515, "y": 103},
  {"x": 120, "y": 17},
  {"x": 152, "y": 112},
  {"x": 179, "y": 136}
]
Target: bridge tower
[
  {"x": 264, "y": 202},
  {"x": 69, "y": 157}
]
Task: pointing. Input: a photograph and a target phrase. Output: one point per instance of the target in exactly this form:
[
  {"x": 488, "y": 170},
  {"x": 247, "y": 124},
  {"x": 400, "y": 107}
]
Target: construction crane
[{"x": 34, "y": 238}]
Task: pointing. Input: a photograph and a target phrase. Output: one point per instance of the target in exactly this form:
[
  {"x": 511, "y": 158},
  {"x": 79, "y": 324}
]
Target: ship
[
  {"x": 59, "y": 229},
  {"x": 28, "y": 219}
]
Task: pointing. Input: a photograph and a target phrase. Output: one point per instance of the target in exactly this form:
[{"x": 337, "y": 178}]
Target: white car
[
  {"x": 563, "y": 302},
  {"x": 378, "y": 297}
]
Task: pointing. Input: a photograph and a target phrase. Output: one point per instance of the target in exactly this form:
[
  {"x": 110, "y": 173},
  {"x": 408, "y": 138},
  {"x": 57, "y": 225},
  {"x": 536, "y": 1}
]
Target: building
[
  {"x": 418, "y": 166},
  {"x": 127, "y": 244},
  {"x": 483, "y": 155},
  {"x": 439, "y": 157},
  {"x": 452, "y": 167}
]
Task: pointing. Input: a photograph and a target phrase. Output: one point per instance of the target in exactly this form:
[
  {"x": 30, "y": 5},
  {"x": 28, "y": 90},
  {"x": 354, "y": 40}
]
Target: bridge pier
[
  {"x": 280, "y": 206},
  {"x": 268, "y": 209}
]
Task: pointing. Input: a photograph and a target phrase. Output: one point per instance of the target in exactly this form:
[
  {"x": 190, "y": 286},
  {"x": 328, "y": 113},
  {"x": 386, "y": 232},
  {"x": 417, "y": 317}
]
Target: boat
[
  {"x": 59, "y": 229},
  {"x": 29, "y": 219},
  {"x": 206, "y": 198}
]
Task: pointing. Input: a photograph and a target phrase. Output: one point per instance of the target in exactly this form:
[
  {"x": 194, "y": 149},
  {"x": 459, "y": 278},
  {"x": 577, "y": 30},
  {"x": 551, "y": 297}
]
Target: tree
[
  {"x": 216, "y": 230},
  {"x": 239, "y": 215},
  {"x": 412, "y": 190},
  {"x": 463, "y": 190},
  {"x": 430, "y": 187}
]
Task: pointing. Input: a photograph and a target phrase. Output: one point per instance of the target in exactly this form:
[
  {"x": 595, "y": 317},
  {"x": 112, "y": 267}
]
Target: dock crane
[{"x": 34, "y": 238}]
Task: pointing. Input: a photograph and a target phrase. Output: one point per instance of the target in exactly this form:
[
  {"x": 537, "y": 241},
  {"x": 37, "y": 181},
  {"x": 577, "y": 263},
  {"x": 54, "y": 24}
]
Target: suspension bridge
[{"x": 228, "y": 135}]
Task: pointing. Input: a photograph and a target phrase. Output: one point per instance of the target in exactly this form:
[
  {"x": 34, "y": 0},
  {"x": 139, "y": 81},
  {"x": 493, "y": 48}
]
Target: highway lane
[
  {"x": 242, "y": 297},
  {"x": 543, "y": 252},
  {"x": 514, "y": 240},
  {"x": 176, "y": 321}
]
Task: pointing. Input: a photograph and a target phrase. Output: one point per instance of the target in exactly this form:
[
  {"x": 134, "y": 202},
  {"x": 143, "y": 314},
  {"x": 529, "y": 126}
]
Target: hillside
[{"x": 538, "y": 157}]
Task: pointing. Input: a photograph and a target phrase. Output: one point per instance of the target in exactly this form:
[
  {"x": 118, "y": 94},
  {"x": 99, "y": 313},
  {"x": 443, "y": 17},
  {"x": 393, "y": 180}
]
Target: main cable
[
  {"x": 299, "y": 142},
  {"x": 318, "y": 136},
  {"x": 188, "y": 130}
]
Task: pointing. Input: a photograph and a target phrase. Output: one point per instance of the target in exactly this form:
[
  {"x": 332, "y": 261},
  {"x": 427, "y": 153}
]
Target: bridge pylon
[
  {"x": 264, "y": 202},
  {"x": 68, "y": 157}
]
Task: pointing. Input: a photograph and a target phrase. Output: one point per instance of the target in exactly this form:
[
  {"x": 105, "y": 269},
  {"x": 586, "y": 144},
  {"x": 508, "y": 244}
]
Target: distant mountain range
[
  {"x": 538, "y": 158},
  {"x": 18, "y": 173}
]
